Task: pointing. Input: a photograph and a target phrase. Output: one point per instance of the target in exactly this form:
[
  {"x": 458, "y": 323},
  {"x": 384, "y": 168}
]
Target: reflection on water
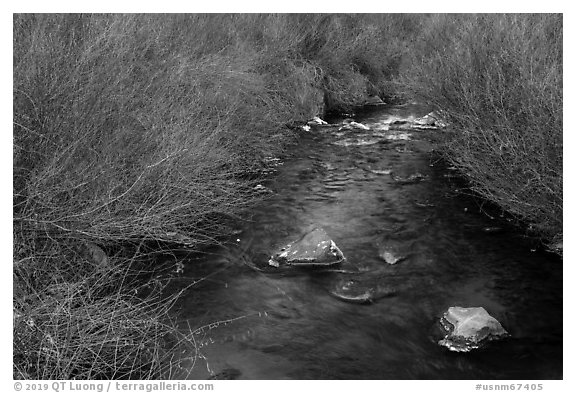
[{"x": 289, "y": 326}]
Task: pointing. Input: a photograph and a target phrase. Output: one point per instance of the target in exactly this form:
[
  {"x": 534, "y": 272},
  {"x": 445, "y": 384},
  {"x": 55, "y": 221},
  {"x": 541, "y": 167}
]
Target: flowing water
[{"x": 357, "y": 186}]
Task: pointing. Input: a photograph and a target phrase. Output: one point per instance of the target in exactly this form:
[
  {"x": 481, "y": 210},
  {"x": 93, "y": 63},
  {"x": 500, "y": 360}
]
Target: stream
[{"x": 372, "y": 191}]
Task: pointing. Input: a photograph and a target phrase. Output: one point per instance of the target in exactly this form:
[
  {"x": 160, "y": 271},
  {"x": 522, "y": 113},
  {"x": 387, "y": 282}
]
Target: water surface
[{"x": 288, "y": 326}]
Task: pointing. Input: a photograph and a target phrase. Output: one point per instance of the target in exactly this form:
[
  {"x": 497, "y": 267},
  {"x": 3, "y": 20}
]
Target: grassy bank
[
  {"x": 499, "y": 79},
  {"x": 140, "y": 129}
]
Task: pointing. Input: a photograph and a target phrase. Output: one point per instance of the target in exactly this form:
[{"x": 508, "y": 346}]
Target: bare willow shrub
[
  {"x": 500, "y": 79},
  {"x": 132, "y": 141}
]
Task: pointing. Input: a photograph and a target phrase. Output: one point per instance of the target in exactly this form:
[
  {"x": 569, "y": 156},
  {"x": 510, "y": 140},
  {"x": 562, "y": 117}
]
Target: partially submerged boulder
[
  {"x": 351, "y": 125},
  {"x": 316, "y": 121},
  {"x": 313, "y": 249},
  {"x": 469, "y": 328},
  {"x": 427, "y": 120},
  {"x": 432, "y": 120}
]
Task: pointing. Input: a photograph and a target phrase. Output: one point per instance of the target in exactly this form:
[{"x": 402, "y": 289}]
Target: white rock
[
  {"x": 468, "y": 328},
  {"x": 349, "y": 124},
  {"x": 317, "y": 121},
  {"x": 431, "y": 120},
  {"x": 314, "y": 248}
]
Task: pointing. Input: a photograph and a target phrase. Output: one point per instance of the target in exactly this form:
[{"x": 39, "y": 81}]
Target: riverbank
[{"x": 498, "y": 79}]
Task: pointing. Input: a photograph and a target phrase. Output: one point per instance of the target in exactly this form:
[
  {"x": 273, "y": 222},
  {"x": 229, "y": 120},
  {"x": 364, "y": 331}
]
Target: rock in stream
[
  {"x": 359, "y": 291},
  {"x": 390, "y": 257},
  {"x": 314, "y": 249},
  {"x": 469, "y": 328}
]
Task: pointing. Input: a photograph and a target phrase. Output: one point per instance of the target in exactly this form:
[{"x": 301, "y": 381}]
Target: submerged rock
[
  {"x": 427, "y": 120},
  {"x": 469, "y": 328},
  {"x": 355, "y": 291},
  {"x": 390, "y": 257},
  {"x": 315, "y": 248}
]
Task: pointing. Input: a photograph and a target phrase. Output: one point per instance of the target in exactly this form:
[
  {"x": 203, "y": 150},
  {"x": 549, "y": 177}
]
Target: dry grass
[{"x": 74, "y": 319}]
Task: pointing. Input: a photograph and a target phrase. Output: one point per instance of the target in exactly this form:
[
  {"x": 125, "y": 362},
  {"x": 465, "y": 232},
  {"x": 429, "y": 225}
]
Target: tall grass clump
[
  {"x": 499, "y": 78},
  {"x": 134, "y": 130}
]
